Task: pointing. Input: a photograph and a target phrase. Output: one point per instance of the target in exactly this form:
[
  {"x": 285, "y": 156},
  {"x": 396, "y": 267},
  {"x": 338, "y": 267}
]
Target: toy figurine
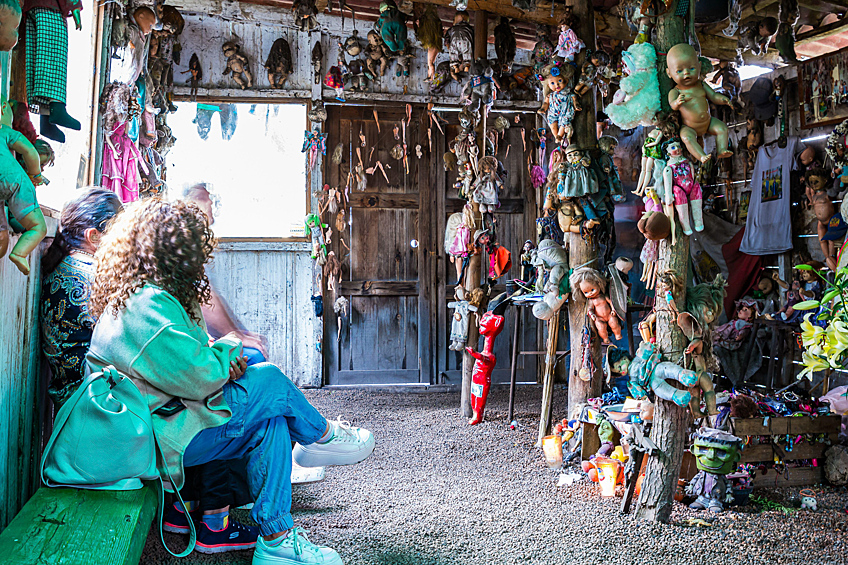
[
  {"x": 376, "y": 53},
  {"x": 568, "y": 44},
  {"x": 392, "y": 27},
  {"x": 279, "y": 63},
  {"x": 441, "y": 77},
  {"x": 459, "y": 325},
  {"x": 358, "y": 75},
  {"x": 816, "y": 182},
  {"x": 429, "y": 32},
  {"x": 164, "y": 51},
  {"x": 317, "y": 61},
  {"x": 651, "y": 152},
  {"x": 691, "y": 98},
  {"x": 464, "y": 176},
  {"x": 543, "y": 50},
  {"x": 669, "y": 285},
  {"x": 830, "y": 227},
  {"x": 648, "y": 372},
  {"x": 605, "y": 433},
  {"x": 17, "y": 189},
  {"x": 46, "y": 45},
  {"x": 481, "y": 377},
  {"x": 196, "y": 73},
  {"x": 237, "y": 65},
  {"x": 808, "y": 500},
  {"x": 753, "y": 142},
  {"x": 528, "y": 256},
  {"x": 717, "y": 454},
  {"x": 459, "y": 42},
  {"x": 704, "y": 303},
  {"x": 587, "y": 284},
  {"x": 593, "y": 73},
  {"x": 480, "y": 89},
  {"x": 682, "y": 190},
  {"x": 458, "y": 237},
  {"x": 733, "y": 333},
  {"x": 755, "y": 37},
  {"x": 318, "y": 115},
  {"x": 552, "y": 257},
  {"x": 316, "y": 231},
  {"x": 811, "y": 284},
  {"x": 505, "y": 45},
  {"x": 559, "y": 101},
  {"x": 577, "y": 179},
  {"x": 305, "y": 12},
  {"x": 638, "y": 100},
  {"x": 335, "y": 79},
  {"x": 487, "y": 185},
  {"x": 788, "y": 313}
]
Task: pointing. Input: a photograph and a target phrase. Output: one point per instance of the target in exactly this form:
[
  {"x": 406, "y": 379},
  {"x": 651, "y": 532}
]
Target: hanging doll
[
  {"x": 505, "y": 45},
  {"x": 559, "y": 101},
  {"x": 279, "y": 63},
  {"x": 305, "y": 12},
  {"x": 568, "y": 44},
  {"x": 755, "y": 37},
  {"x": 480, "y": 89},
  {"x": 682, "y": 190},
  {"x": 317, "y": 61},
  {"x": 816, "y": 182},
  {"x": 459, "y": 324},
  {"x": 651, "y": 152},
  {"x": 543, "y": 50},
  {"x": 593, "y": 73},
  {"x": 47, "y": 59},
  {"x": 392, "y": 27},
  {"x": 491, "y": 326},
  {"x": 376, "y": 54},
  {"x": 196, "y": 72},
  {"x": 691, "y": 97},
  {"x": 528, "y": 256},
  {"x": 732, "y": 334},
  {"x": 17, "y": 190},
  {"x": 753, "y": 141},
  {"x": 441, "y": 78},
  {"x": 313, "y": 143},
  {"x": 237, "y": 65},
  {"x": 829, "y": 219},
  {"x": 587, "y": 284},
  {"x": 315, "y": 227},
  {"x": 121, "y": 156},
  {"x": 487, "y": 185},
  {"x": 788, "y": 313},
  {"x": 578, "y": 180},
  {"x": 552, "y": 257},
  {"x": 608, "y": 145},
  {"x": 358, "y": 75},
  {"x": 429, "y": 32},
  {"x": 464, "y": 176},
  {"x": 459, "y": 42},
  {"x": 785, "y": 39},
  {"x": 637, "y": 101},
  {"x": 458, "y": 237},
  {"x": 165, "y": 50},
  {"x": 669, "y": 285}
]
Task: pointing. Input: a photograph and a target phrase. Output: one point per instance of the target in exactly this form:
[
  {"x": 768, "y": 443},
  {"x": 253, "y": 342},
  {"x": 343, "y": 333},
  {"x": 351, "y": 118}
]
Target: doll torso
[
  {"x": 486, "y": 189},
  {"x": 683, "y": 182},
  {"x": 575, "y": 181},
  {"x": 652, "y": 152},
  {"x": 460, "y": 42},
  {"x": 695, "y": 111},
  {"x": 568, "y": 45},
  {"x": 560, "y": 107},
  {"x": 11, "y": 172}
]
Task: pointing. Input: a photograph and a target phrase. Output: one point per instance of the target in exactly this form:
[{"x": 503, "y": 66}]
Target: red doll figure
[{"x": 481, "y": 378}]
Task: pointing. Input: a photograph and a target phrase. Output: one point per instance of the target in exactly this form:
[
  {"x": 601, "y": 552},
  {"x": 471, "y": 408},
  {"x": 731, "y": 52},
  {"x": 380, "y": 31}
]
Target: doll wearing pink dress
[{"x": 120, "y": 164}]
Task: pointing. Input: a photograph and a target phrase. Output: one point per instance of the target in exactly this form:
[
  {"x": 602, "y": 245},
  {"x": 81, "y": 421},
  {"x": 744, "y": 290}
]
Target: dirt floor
[{"x": 437, "y": 491}]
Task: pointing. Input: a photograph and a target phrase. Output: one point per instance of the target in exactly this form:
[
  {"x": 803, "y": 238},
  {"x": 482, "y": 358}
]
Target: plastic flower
[
  {"x": 836, "y": 342},
  {"x": 810, "y": 334},
  {"x": 813, "y": 361}
]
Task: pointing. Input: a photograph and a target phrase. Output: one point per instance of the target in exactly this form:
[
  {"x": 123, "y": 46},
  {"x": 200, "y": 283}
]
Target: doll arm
[
  {"x": 781, "y": 283},
  {"x": 696, "y": 346},
  {"x": 714, "y": 96},
  {"x": 29, "y": 154},
  {"x": 668, "y": 177},
  {"x": 676, "y": 99}
]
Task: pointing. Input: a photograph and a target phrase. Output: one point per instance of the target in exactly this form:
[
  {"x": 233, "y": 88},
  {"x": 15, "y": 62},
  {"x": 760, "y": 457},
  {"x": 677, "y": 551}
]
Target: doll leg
[
  {"x": 695, "y": 402},
  {"x": 719, "y": 129},
  {"x": 698, "y": 214},
  {"x": 602, "y": 329},
  {"x": 681, "y": 204},
  {"x": 615, "y": 326},
  {"x": 36, "y": 230},
  {"x": 664, "y": 390},
  {"x": 706, "y": 384},
  {"x": 646, "y": 327},
  {"x": 668, "y": 209},
  {"x": 690, "y": 140}
]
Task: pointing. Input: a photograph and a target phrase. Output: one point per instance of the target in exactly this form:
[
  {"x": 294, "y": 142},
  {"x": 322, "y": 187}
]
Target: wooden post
[
  {"x": 583, "y": 253},
  {"x": 548, "y": 380},
  {"x": 670, "y": 421},
  {"x": 473, "y": 273}
]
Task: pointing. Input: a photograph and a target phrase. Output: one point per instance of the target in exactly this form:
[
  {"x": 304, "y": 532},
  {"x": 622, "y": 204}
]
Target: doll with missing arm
[
  {"x": 17, "y": 188},
  {"x": 587, "y": 284},
  {"x": 691, "y": 97}
]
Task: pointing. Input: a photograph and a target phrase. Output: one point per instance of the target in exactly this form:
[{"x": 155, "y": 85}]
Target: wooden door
[{"x": 385, "y": 252}]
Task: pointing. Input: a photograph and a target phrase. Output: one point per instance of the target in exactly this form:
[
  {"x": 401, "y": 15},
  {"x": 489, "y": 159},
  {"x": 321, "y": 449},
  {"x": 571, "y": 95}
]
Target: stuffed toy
[
  {"x": 459, "y": 42},
  {"x": 638, "y": 100},
  {"x": 504, "y": 45},
  {"x": 430, "y": 34},
  {"x": 551, "y": 256},
  {"x": 237, "y": 65},
  {"x": 46, "y": 33},
  {"x": 392, "y": 26},
  {"x": 279, "y": 63},
  {"x": 480, "y": 88}
]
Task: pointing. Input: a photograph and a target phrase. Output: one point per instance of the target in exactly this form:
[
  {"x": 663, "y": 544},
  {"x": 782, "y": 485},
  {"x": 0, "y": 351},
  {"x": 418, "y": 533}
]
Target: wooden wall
[
  {"x": 20, "y": 386},
  {"x": 269, "y": 287}
]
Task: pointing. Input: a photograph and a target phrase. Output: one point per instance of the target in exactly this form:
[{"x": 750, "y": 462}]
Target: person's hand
[{"x": 238, "y": 367}]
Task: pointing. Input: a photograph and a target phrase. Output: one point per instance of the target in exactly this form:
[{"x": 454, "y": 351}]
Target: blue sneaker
[
  {"x": 175, "y": 521},
  {"x": 233, "y": 537}
]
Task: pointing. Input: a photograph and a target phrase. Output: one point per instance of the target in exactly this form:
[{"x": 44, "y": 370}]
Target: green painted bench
[{"x": 65, "y": 526}]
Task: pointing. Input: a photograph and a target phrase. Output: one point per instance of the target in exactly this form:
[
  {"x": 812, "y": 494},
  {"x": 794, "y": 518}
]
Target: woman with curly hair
[{"x": 149, "y": 286}]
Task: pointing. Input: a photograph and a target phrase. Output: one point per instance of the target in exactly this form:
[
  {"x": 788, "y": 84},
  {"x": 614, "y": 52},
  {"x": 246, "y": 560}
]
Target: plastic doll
[
  {"x": 459, "y": 43},
  {"x": 481, "y": 377},
  {"x": 568, "y": 44},
  {"x": 121, "y": 156},
  {"x": 733, "y": 333},
  {"x": 651, "y": 152},
  {"x": 429, "y": 32},
  {"x": 593, "y": 73},
  {"x": 811, "y": 283},
  {"x": 17, "y": 188},
  {"x": 717, "y": 454},
  {"x": 481, "y": 87},
  {"x": 392, "y": 27},
  {"x": 304, "y": 13},
  {"x": 375, "y": 52},
  {"x": 458, "y": 237},
  {"x": 459, "y": 325},
  {"x": 576, "y": 179},
  {"x": 589, "y": 285},
  {"x": 559, "y": 101},
  {"x": 788, "y": 313},
  {"x": 464, "y": 176},
  {"x": 528, "y": 255},
  {"x": 691, "y": 97},
  {"x": 487, "y": 185},
  {"x": 551, "y": 256},
  {"x": 669, "y": 285},
  {"x": 605, "y": 433},
  {"x": 543, "y": 50},
  {"x": 682, "y": 190},
  {"x": 648, "y": 372},
  {"x": 316, "y": 231},
  {"x": 827, "y": 216},
  {"x": 756, "y": 36},
  {"x": 608, "y": 145},
  {"x": 815, "y": 182},
  {"x": 278, "y": 65},
  {"x": 237, "y": 65}
]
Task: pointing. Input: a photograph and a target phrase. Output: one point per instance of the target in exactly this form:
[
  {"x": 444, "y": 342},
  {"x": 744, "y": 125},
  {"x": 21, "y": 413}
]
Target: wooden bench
[{"x": 80, "y": 527}]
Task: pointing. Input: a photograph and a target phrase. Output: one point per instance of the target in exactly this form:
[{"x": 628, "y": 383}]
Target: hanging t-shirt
[{"x": 769, "y": 228}]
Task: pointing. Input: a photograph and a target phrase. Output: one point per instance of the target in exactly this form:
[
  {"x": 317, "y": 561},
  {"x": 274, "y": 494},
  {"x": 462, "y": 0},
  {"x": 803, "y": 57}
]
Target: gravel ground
[{"x": 437, "y": 491}]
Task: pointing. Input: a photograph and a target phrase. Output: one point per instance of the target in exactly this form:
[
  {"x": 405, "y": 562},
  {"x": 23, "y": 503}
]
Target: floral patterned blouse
[{"x": 66, "y": 327}]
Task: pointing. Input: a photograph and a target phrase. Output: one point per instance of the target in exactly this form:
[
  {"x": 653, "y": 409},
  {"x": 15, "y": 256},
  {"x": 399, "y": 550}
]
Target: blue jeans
[
  {"x": 254, "y": 356},
  {"x": 269, "y": 412}
]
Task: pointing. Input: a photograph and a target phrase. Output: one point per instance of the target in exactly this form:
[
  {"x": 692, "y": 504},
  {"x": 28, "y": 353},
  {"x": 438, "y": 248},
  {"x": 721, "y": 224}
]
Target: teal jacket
[{"x": 153, "y": 341}]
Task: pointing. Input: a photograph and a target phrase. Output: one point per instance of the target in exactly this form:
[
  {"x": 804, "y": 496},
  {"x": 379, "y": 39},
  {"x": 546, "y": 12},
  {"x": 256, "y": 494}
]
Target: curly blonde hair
[{"x": 154, "y": 242}]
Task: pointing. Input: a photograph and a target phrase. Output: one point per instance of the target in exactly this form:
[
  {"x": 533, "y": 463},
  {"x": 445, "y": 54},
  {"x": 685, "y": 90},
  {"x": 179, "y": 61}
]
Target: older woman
[{"x": 147, "y": 294}]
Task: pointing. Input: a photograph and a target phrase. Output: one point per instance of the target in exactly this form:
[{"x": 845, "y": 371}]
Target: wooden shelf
[{"x": 791, "y": 425}]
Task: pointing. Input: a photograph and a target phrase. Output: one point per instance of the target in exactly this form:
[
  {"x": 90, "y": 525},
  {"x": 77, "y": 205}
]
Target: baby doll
[
  {"x": 559, "y": 101},
  {"x": 376, "y": 55},
  {"x": 691, "y": 97},
  {"x": 459, "y": 43},
  {"x": 429, "y": 32},
  {"x": 826, "y": 215},
  {"x": 487, "y": 185},
  {"x": 569, "y": 44},
  {"x": 651, "y": 152},
  {"x": 237, "y": 65},
  {"x": 608, "y": 145},
  {"x": 459, "y": 325},
  {"x": 816, "y": 182},
  {"x": 17, "y": 188},
  {"x": 587, "y": 284},
  {"x": 593, "y": 73},
  {"x": 733, "y": 333},
  {"x": 681, "y": 190}
]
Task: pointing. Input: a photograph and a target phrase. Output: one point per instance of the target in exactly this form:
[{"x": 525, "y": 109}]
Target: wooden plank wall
[
  {"x": 268, "y": 287},
  {"x": 20, "y": 386}
]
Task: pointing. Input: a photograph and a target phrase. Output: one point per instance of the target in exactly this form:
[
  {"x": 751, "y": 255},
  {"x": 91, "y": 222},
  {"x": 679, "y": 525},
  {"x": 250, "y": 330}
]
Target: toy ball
[{"x": 593, "y": 475}]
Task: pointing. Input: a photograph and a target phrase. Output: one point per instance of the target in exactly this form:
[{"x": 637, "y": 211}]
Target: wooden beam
[
  {"x": 379, "y": 288},
  {"x": 822, "y": 32}
]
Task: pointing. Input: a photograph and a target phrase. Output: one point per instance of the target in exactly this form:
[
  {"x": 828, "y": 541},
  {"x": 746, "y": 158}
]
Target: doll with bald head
[{"x": 691, "y": 97}]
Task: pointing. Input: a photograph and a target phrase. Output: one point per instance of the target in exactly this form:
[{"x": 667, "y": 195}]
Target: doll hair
[
  {"x": 816, "y": 172},
  {"x": 607, "y": 143},
  {"x": 617, "y": 354},
  {"x": 743, "y": 406},
  {"x": 568, "y": 18},
  {"x": 710, "y": 295},
  {"x": 94, "y": 209},
  {"x": 586, "y": 274},
  {"x": 44, "y": 150},
  {"x": 671, "y": 280},
  {"x": 602, "y": 57},
  {"x": 12, "y": 5},
  {"x": 429, "y": 30},
  {"x": 488, "y": 162}
]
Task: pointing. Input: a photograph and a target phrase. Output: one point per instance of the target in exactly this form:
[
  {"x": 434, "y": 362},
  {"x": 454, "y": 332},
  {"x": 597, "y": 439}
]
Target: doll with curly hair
[{"x": 587, "y": 284}]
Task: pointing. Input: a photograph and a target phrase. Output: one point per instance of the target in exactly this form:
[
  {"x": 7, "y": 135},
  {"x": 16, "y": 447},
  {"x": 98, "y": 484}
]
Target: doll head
[
  {"x": 7, "y": 115},
  {"x": 475, "y": 297},
  {"x": 229, "y": 48},
  {"x": 10, "y": 19},
  {"x": 684, "y": 67},
  {"x": 624, "y": 264},
  {"x": 746, "y": 310},
  {"x": 670, "y": 280},
  {"x": 374, "y": 38},
  {"x": 587, "y": 283},
  {"x": 488, "y": 165},
  {"x": 557, "y": 76},
  {"x": 599, "y": 58},
  {"x": 568, "y": 19},
  {"x": 528, "y": 246},
  {"x": 352, "y": 46},
  {"x": 145, "y": 18},
  {"x": 619, "y": 361},
  {"x": 461, "y": 16},
  {"x": 817, "y": 179},
  {"x": 573, "y": 155},
  {"x": 673, "y": 148},
  {"x": 608, "y": 144},
  {"x": 705, "y": 301},
  {"x": 491, "y": 324},
  {"x": 807, "y": 156},
  {"x": 646, "y": 410},
  {"x": 45, "y": 153},
  {"x": 767, "y": 27}
]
